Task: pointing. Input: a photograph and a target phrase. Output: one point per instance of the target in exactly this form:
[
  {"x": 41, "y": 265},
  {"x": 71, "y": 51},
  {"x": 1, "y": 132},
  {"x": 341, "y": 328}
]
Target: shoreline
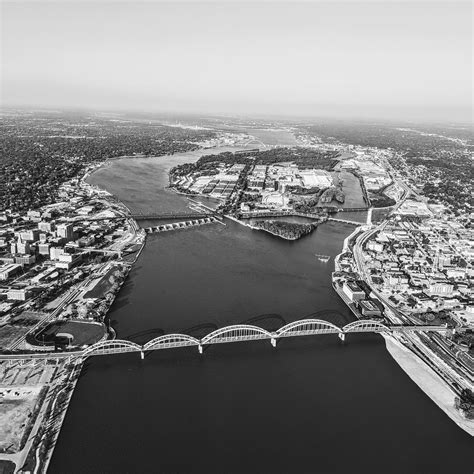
[
  {"x": 428, "y": 381},
  {"x": 417, "y": 370},
  {"x": 42, "y": 459},
  {"x": 250, "y": 226}
]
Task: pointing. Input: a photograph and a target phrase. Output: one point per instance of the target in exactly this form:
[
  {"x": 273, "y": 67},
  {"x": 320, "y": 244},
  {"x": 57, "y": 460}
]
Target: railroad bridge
[
  {"x": 227, "y": 334},
  {"x": 181, "y": 225},
  {"x": 159, "y": 216}
]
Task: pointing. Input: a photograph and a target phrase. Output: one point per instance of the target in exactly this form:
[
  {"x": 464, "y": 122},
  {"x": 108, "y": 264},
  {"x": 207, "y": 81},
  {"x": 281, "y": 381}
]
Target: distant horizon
[
  {"x": 365, "y": 60},
  {"x": 170, "y": 114}
]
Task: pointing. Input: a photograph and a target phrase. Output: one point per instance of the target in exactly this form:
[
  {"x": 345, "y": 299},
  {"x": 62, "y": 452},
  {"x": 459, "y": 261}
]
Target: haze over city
[
  {"x": 353, "y": 60},
  {"x": 236, "y": 237}
]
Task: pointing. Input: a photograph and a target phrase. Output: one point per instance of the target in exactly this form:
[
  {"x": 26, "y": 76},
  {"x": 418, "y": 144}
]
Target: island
[
  {"x": 285, "y": 230},
  {"x": 266, "y": 184}
]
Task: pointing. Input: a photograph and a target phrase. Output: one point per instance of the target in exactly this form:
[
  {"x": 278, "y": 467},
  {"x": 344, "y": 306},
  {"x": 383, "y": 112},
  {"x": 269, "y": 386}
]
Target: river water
[{"x": 312, "y": 405}]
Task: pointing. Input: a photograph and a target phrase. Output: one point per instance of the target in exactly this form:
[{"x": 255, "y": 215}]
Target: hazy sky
[{"x": 395, "y": 60}]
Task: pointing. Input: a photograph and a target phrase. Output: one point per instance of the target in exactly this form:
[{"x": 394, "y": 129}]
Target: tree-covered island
[{"x": 286, "y": 230}]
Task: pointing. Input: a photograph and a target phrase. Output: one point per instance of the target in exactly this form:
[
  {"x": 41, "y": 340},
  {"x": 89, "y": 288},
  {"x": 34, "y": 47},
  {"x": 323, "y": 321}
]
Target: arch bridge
[
  {"x": 227, "y": 334},
  {"x": 255, "y": 141}
]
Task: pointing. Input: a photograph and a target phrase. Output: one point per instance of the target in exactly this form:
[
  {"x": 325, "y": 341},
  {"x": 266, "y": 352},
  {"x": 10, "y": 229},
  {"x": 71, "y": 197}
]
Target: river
[{"x": 311, "y": 405}]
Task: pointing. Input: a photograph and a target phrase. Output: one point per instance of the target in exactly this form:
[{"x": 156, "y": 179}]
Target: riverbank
[
  {"x": 428, "y": 381},
  {"x": 284, "y": 237},
  {"x": 48, "y": 433},
  {"x": 253, "y": 227},
  {"x": 41, "y": 443},
  {"x": 423, "y": 375},
  {"x": 245, "y": 277},
  {"x": 285, "y": 230}
]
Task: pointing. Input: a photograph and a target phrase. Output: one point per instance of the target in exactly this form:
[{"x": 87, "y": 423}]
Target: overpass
[{"x": 227, "y": 334}]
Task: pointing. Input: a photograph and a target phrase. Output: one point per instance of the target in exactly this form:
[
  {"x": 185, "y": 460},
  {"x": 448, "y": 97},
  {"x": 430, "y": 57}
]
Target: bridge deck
[{"x": 228, "y": 334}]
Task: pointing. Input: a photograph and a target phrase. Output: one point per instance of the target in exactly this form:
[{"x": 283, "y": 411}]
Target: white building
[
  {"x": 6, "y": 271},
  {"x": 65, "y": 231},
  {"x": 313, "y": 178},
  {"x": 353, "y": 291},
  {"x": 19, "y": 295}
]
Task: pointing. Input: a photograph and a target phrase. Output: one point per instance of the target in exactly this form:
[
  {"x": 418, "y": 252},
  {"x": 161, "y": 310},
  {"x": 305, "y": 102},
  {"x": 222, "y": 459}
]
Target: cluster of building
[
  {"x": 424, "y": 266},
  {"x": 274, "y": 184},
  {"x": 224, "y": 139},
  {"x": 374, "y": 176},
  {"x": 285, "y": 176},
  {"x": 219, "y": 185},
  {"x": 268, "y": 186},
  {"x": 358, "y": 295},
  {"x": 46, "y": 250}
]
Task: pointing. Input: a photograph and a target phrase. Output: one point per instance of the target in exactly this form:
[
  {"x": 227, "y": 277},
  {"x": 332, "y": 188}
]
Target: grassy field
[
  {"x": 9, "y": 334},
  {"x": 83, "y": 332}
]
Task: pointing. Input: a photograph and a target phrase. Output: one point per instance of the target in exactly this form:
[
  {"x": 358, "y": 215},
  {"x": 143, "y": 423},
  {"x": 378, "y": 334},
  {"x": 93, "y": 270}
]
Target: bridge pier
[
  {"x": 342, "y": 336},
  {"x": 142, "y": 355},
  {"x": 200, "y": 349},
  {"x": 273, "y": 341}
]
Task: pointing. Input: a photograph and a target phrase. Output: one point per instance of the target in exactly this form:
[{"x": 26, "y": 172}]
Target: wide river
[{"x": 312, "y": 405}]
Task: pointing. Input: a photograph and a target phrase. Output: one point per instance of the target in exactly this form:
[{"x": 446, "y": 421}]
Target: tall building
[
  {"x": 23, "y": 247},
  {"x": 55, "y": 252},
  {"x": 43, "y": 249},
  {"x": 29, "y": 235},
  {"x": 46, "y": 226},
  {"x": 65, "y": 231}
]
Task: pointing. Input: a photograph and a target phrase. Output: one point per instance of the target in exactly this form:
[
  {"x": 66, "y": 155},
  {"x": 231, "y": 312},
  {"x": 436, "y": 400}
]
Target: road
[
  {"x": 454, "y": 372},
  {"x": 70, "y": 295}
]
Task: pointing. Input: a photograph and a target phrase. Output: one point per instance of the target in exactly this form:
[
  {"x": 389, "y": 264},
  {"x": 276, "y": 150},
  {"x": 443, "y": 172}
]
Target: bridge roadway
[
  {"x": 227, "y": 334},
  {"x": 264, "y": 214},
  {"x": 181, "y": 225},
  {"x": 141, "y": 216},
  {"x": 346, "y": 221}
]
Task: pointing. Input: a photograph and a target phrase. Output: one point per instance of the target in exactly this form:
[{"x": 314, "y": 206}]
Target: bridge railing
[{"x": 228, "y": 334}]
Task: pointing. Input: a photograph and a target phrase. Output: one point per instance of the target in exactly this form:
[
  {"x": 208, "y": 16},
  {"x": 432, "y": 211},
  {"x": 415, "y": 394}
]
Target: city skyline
[
  {"x": 236, "y": 233},
  {"x": 345, "y": 60}
]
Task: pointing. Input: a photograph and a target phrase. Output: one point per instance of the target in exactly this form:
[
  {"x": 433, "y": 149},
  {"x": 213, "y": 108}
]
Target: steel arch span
[
  {"x": 170, "y": 340},
  {"x": 111, "y": 346},
  {"x": 365, "y": 325},
  {"x": 308, "y": 326},
  {"x": 235, "y": 333},
  {"x": 255, "y": 141}
]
